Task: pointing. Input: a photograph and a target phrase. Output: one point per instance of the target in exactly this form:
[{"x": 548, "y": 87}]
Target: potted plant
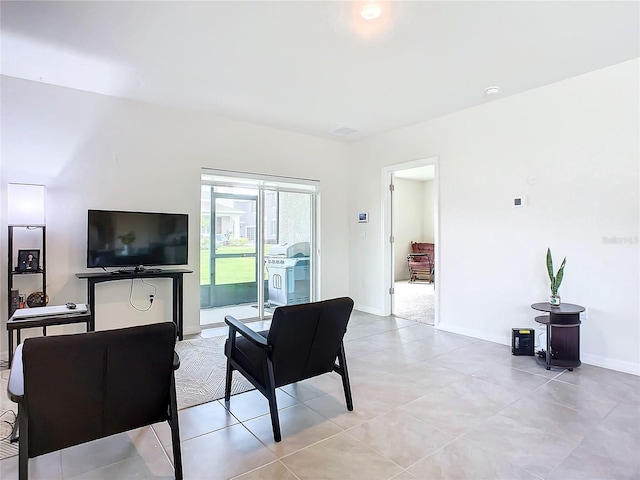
[
  {"x": 556, "y": 280},
  {"x": 127, "y": 239}
]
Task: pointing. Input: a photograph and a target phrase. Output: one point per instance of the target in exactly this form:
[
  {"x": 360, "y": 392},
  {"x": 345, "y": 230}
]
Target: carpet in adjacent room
[{"x": 414, "y": 301}]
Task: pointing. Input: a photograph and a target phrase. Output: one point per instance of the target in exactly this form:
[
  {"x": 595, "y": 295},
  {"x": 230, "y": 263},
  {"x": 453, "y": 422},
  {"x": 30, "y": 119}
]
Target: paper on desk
[{"x": 50, "y": 310}]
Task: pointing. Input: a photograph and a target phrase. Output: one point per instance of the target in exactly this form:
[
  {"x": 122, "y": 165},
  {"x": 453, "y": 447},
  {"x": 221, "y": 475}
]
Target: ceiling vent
[{"x": 344, "y": 131}]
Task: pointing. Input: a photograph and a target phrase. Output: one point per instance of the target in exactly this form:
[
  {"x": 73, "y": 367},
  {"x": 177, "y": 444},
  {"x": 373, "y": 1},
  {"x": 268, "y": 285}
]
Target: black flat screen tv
[{"x": 136, "y": 239}]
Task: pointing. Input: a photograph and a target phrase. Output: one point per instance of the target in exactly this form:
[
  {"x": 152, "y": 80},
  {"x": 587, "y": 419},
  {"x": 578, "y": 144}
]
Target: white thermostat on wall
[{"x": 519, "y": 202}]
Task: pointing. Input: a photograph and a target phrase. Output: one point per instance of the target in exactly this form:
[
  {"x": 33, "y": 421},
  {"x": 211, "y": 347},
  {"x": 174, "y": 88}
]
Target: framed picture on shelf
[{"x": 28, "y": 260}]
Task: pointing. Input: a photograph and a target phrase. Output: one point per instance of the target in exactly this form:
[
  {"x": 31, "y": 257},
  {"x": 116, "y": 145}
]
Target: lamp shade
[{"x": 25, "y": 204}]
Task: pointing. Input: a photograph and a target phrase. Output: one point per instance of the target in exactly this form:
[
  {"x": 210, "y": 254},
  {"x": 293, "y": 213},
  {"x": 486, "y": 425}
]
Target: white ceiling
[{"x": 313, "y": 67}]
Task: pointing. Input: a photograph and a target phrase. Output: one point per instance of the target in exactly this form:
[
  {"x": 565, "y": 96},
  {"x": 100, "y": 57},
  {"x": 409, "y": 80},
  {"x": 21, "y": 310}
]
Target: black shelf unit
[{"x": 13, "y": 267}]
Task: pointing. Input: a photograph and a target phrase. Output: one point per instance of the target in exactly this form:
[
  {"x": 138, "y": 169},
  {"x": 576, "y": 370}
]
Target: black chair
[
  {"x": 71, "y": 389},
  {"x": 304, "y": 341}
]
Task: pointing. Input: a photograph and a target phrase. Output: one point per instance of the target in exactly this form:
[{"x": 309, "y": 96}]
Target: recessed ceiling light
[
  {"x": 491, "y": 91},
  {"x": 344, "y": 131},
  {"x": 370, "y": 11}
]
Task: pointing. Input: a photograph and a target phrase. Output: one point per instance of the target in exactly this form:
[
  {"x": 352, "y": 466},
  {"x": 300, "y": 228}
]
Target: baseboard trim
[
  {"x": 611, "y": 364},
  {"x": 588, "y": 359},
  {"x": 191, "y": 330},
  {"x": 473, "y": 333},
  {"x": 365, "y": 309}
]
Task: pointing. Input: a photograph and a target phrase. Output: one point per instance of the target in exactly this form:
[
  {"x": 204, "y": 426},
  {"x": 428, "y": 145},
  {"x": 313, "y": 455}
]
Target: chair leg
[
  {"x": 273, "y": 405},
  {"x": 227, "y": 386},
  {"x": 23, "y": 446},
  {"x": 342, "y": 358},
  {"x": 175, "y": 431},
  {"x": 231, "y": 343}
]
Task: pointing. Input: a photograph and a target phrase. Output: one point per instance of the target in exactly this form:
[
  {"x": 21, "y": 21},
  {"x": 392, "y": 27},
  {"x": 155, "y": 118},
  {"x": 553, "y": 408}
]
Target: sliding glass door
[
  {"x": 256, "y": 244},
  {"x": 230, "y": 262}
]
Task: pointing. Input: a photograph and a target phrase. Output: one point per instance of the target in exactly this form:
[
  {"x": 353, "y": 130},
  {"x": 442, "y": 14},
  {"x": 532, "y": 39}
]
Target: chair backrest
[
  {"x": 306, "y": 338},
  {"x": 422, "y": 247},
  {"x": 82, "y": 387}
]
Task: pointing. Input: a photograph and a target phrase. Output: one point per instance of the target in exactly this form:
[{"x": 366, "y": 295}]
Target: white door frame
[{"x": 387, "y": 231}]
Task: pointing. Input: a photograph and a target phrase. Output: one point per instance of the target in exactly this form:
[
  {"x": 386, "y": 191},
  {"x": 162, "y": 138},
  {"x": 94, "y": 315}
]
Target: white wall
[
  {"x": 579, "y": 140},
  {"x": 95, "y": 151},
  {"x": 428, "y": 216}
]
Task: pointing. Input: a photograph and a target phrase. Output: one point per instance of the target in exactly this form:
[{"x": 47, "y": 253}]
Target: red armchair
[{"x": 421, "y": 262}]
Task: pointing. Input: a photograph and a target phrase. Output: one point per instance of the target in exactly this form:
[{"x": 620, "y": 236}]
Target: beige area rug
[
  {"x": 201, "y": 376},
  {"x": 414, "y": 301},
  {"x": 200, "y": 379}
]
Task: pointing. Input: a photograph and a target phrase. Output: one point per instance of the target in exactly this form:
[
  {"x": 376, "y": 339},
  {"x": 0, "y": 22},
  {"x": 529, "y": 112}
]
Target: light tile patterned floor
[{"x": 428, "y": 405}]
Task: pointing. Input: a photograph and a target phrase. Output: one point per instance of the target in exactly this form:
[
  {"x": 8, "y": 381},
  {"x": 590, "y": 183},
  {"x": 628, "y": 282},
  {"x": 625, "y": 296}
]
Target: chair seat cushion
[{"x": 251, "y": 357}]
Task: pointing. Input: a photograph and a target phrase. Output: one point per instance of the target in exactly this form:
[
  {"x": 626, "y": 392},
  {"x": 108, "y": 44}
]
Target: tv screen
[{"x": 134, "y": 239}]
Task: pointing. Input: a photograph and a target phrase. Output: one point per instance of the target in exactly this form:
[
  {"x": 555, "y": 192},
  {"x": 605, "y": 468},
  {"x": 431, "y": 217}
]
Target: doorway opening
[
  {"x": 411, "y": 210},
  {"x": 257, "y": 238}
]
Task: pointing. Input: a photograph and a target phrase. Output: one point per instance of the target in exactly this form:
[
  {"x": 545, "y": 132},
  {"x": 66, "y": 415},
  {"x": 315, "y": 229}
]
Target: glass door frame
[{"x": 214, "y": 230}]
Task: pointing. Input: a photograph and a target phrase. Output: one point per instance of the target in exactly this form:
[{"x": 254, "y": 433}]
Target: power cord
[
  {"x": 151, "y": 296},
  {"x": 541, "y": 351},
  {"x": 11, "y": 423}
]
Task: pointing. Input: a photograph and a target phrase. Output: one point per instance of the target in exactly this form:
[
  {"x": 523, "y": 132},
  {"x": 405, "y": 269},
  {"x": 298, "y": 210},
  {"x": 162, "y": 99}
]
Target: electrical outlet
[{"x": 584, "y": 315}]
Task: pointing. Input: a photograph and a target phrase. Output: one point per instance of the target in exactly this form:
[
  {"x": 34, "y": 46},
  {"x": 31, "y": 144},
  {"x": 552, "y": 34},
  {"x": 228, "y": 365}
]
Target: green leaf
[
  {"x": 560, "y": 274},
  {"x": 556, "y": 280},
  {"x": 550, "y": 265}
]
